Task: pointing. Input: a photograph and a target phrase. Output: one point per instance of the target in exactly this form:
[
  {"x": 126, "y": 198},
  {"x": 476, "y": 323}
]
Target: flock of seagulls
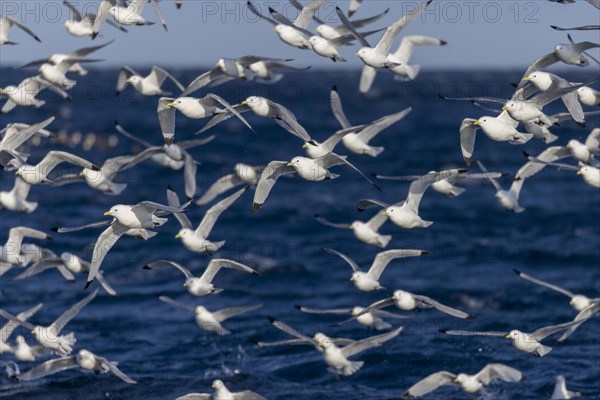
[{"x": 520, "y": 119}]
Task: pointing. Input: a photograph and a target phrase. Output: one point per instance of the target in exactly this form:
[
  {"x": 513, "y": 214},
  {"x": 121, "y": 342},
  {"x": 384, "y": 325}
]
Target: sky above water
[{"x": 481, "y": 34}]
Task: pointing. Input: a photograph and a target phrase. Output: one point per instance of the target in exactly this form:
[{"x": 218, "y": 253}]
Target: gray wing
[
  {"x": 350, "y": 261},
  {"x": 346, "y": 22},
  {"x": 115, "y": 165},
  {"x": 577, "y": 28},
  {"x": 332, "y": 159},
  {"x": 53, "y": 158},
  {"x": 286, "y": 342},
  {"x": 383, "y": 259},
  {"x": 206, "y": 79},
  {"x": 40, "y": 267},
  {"x": 10, "y": 326},
  {"x": 222, "y": 185},
  {"x": 151, "y": 207},
  {"x": 473, "y": 333},
  {"x": 79, "y": 228},
  {"x": 307, "y": 13},
  {"x": 390, "y": 34},
  {"x": 129, "y": 135},
  {"x": 284, "y": 21},
  {"x": 76, "y": 15},
  {"x": 440, "y": 307},
  {"x": 567, "y": 167},
  {"x": 214, "y": 213},
  {"x": 430, "y": 383},
  {"x": 73, "y": 311},
  {"x": 124, "y": 74},
  {"x": 325, "y": 222},
  {"x": 493, "y": 181},
  {"x": 15, "y": 140},
  {"x": 16, "y": 320},
  {"x": 418, "y": 187},
  {"x": 582, "y": 316},
  {"x": 359, "y": 23},
  {"x": 196, "y": 396},
  {"x": 227, "y": 313},
  {"x": 367, "y": 77},
  {"x": 189, "y": 174},
  {"x": 254, "y": 11},
  {"x": 550, "y": 95},
  {"x": 337, "y": 108},
  {"x": 216, "y": 264},
  {"x": 290, "y": 331},
  {"x": 385, "y": 122},
  {"x": 368, "y": 203},
  {"x": 288, "y": 121},
  {"x": 88, "y": 50},
  {"x": 537, "y": 65},
  {"x": 49, "y": 367},
  {"x": 105, "y": 242},
  {"x": 159, "y": 14},
  {"x": 377, "y": 220},
  {"x": 177, "y": 304},
  {"x": 104, "y": 283},
  {"x": 168, "y": 264},
  {"x": 173, "y": 201},
  {"x": 467, "y": 138},
  {"x": 499, "y": 371},
  {"x": 229, "y": 108},
  {"x": 550, "y": 330},
  {"x": 247, "y": 395},
  {"x": 24, "y": 28},
  {"x": 112, "y": 366},
  {"x": 16, "y": 235},
  {"x": 188, "y": 144},
  {"x": 158, "y": 75},
  {"x": 166, "y": 119},
  {"x": 373, "y": 341},
  {"x": 217, "y": 119},
  {"x": 593, "y": 139},
  {"x": 335, "y": 311},
  {"x": 543, "y": 283},
  {"x": 105, "y": 5},
  {"x": 267, "y": 180}
]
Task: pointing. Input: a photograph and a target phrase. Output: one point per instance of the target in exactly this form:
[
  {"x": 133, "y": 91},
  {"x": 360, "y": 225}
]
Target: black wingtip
[
  {"x": 38, "y": 39},
  {"x": 298, "y": 307},
  {"x": 443, "y": 42},
  {"x": 526, "y": 154},
  {"x": 146, "y": 267},
  {"x": 88, "y": 283},
  {"x": 48, "y": 237},
  {"x": 254, "y": 342},
  {"x": 271, "y": 11},
  {"x": 178, "y": 6},
  {"x": 471, "y": 316},
  {"x": 462, "y": 170},
  {"x": 334, "y": 88},
  {"x": 69, "y": 99},
  {"x": 516, "y": 271},
  {"x": 271, "y": 319},
  {"x": 425, "y": 252},
  {"x": 54, "y": 229},
  {"x": 442, "y": 97},
  {"x": 256, "y": 273},
  {"x": 554, "y": 27},
  {"x": 256, "y": 207},
  {"x": 169, "y": 187},
  {"x": 581, "y": 123},
  {"x": 444, "y": 330}
]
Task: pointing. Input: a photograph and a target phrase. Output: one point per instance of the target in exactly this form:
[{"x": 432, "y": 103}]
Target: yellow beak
[
  {"x": 213, "y": 386},
  {"x": 527, "y": 79},
  {"x": 571, "y": 302},
  {"x": 305, "y": 145},
  {"x": 509, "y": 336},
  {"x": 177, "y": 236},
  {"x": 33, "y": 331},
  {"x": 18, "y": 172},
  {"x": 579, "y": 172},
  {"x": 476, "y": 123},
  {"x": 170, "y": 104},
  {"x": 245, "y": 102},
  {"x": 353, "y": 279},
  {"x": 290, "y": 164},
  {"x": 2, "y": 91},
  {"x": 385, "y": 213},
  {"x": 504, "y": 108},
  {"x": 108, "y": 213},
  {"x": 185, "y": 284},
  {"x": 356, "y": 54},
  {"x": 455, "y": 380}
]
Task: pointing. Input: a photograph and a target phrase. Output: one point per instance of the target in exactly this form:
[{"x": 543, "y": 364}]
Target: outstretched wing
[{"x": 267, "y": 180}]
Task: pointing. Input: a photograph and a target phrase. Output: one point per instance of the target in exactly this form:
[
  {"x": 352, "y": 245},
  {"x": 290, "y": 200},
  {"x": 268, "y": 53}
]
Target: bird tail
[
  {"x": 542, "y": 350},
  {"x": 375, "y": 151},
  {"x": 352, "y": 368},
  {"x": 549, "y": 137},
  {"x": 383, "y": 240},
  {"x": 382, "y": 325},
  {"x": 456, "y": 191}
]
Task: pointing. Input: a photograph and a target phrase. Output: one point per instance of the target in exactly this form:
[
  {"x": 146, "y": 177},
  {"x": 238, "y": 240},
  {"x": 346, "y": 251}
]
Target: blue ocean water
[{"x": 474, "y": 245}]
